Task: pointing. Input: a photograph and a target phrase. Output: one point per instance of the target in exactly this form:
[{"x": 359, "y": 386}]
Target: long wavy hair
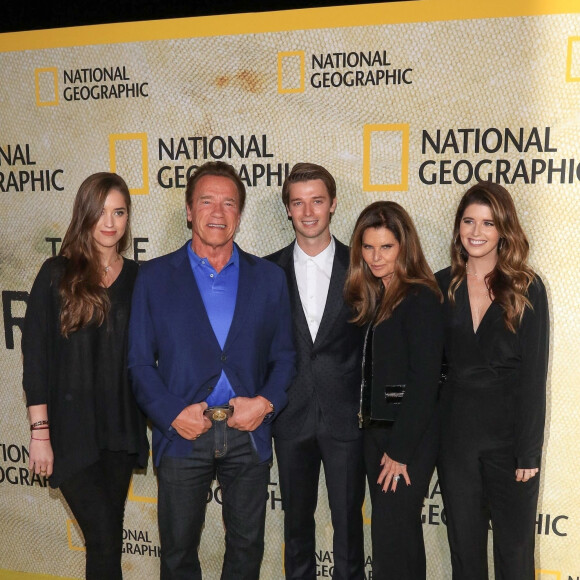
[
  {"x": 509, "y": 281},
  {"x": 83, "y": 298},
  {"x": 367, "y": 295}
]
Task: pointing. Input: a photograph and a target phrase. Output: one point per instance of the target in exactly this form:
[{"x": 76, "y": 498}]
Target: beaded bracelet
[{"x": 38, "y": 423}]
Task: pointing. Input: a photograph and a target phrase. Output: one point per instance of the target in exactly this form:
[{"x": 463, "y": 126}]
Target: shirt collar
[
  {"x": 323, "y": 260},
  {"x": 199, "y": 262}
]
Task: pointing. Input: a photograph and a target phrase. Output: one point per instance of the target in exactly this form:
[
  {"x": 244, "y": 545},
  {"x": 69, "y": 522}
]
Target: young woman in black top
[
  {"x": 394, "y": 294},
  {"x": 493, "y": 403},
  {"x": 87, "y": 433}
]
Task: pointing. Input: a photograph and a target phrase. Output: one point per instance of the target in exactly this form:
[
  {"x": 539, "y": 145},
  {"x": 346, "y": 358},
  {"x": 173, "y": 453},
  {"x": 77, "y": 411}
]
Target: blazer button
[
  {"x": 224, "y": 357},
  {"x": 313, "y": 356}
]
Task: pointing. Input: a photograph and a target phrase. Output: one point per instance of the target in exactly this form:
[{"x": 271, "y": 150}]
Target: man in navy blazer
[{"x": 211, "y": 355}]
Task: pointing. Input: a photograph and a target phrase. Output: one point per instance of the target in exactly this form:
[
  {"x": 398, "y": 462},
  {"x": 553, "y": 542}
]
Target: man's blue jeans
[{"x": 184, "y": 483}]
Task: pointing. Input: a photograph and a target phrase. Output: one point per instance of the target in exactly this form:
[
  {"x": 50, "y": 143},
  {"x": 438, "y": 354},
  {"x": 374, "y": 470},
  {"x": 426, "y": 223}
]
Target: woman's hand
[
  {"x": 391, "y": 473},
  {"x": 526, "y": 474},
  {"x": 41, "y": 455}
]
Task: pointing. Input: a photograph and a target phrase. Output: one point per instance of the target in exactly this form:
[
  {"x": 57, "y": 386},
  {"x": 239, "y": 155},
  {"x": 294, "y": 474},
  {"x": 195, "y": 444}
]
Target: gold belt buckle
[{"x": 219, "y": 415}]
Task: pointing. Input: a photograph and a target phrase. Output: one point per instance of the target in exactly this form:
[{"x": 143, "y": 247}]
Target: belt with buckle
[{"x": 219, "y": 413}]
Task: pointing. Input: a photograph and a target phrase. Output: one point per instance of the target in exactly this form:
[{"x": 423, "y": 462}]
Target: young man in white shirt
[{"x": 319, "y": 425}]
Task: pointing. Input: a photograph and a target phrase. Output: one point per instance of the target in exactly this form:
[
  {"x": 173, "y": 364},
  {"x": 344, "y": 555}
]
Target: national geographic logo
[
  {"x": 333, "y": 70},
  {"x": 180, "y": 156},
  {"x": 14, "y": 467},
  {"x": 433, "y": 514},
  {"x": 386, "y": 157},
  {"x": 501, "y": 154},
  {"x": 135, "y": 541},
  {"x": 87, "y": 84},
  {"x": 138, "y": 542},
  {"x": 138, "y": 492},
  {"x": 450, "y": 156},
  {"x": 325, "y": 565},
  {"x": 19, "y": 171}
]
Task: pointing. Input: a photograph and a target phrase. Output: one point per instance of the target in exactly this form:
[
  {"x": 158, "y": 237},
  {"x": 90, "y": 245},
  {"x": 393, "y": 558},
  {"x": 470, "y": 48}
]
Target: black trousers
[
  {"x": 476, "y": 468},
  {"x": 96, "y": 496},
  {"x": 299, "y": 460},
  {"x": 479, "y": 486},
  {"x": 184, "y": 483},
  {"x": 396, "y": 528}
]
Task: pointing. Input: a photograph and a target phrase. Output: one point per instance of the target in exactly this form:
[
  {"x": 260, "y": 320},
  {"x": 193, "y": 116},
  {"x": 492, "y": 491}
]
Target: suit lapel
[
  {"x": 190, "y": 296},
  {"x": 286, "y": 261},
  {"x": 244, "y": 302}
]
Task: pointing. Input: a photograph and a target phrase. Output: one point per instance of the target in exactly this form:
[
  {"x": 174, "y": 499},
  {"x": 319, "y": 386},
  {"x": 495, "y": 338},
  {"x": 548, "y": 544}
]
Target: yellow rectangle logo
[
  {"x": 386, "y": 157},
  {"x": 573, "y": 60},
  {"x": 128, "y": 158},
  {"x": 46, "y": 86},
  {"x": 72, "y": 529},
  {"x": 291, "y": 69},
  {"x": 548, "y": 575}
]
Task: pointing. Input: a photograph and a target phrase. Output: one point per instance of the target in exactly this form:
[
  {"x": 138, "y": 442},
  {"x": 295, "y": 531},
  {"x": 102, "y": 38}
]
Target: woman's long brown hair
[
  {"x": 83, "y": 299},
  {"x": 509, "y": 281},
  {"x": 366, "y": 293}
]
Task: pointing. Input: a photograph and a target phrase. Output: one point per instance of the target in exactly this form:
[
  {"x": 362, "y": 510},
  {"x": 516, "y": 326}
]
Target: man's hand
[
  {"x": 248, "y": 412},
  {"x": 191, "y": 422}
]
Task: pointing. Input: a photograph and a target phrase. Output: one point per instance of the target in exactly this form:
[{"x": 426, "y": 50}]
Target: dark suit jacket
[
  {"x": 175, "y": 359},
  {"x": 330, "y": 368},
  {"x": 407, "y": 350}
]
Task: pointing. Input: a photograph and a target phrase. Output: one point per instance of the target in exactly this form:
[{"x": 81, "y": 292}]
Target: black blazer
[
  {"x": 407, "y": 349},
  {"x": 330, "y": 368}
]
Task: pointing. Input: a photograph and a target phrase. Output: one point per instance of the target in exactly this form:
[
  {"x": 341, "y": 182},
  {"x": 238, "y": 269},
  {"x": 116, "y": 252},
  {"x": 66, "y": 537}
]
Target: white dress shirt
[{"x": 313, "y": 278}]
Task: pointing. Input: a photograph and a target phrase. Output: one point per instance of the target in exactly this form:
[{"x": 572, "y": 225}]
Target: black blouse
[
  {"x": 83, "y": 378},
  {"x": 502, "y": 373}
]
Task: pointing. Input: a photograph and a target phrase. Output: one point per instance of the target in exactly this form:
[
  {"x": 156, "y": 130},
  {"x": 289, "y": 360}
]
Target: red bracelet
[
  {"x": 37, "y": 439},
  {"x": 39, "y": 428}
]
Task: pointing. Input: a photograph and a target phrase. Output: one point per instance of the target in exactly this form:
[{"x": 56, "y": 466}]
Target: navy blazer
[{"x": 175, "y": 359}]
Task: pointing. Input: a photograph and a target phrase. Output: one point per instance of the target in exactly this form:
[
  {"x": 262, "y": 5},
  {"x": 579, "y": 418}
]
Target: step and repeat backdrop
[{"x": 410, "y": 101}]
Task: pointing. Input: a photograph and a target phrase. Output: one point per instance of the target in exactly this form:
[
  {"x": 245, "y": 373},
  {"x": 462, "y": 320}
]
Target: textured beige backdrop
[{"x": 497, "y": 72}]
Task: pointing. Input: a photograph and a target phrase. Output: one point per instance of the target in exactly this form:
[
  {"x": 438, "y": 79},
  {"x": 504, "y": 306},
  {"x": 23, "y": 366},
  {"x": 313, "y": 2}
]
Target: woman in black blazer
[
  {"x": 493, "y": 404},
  {"x": 393, "y": 292}
]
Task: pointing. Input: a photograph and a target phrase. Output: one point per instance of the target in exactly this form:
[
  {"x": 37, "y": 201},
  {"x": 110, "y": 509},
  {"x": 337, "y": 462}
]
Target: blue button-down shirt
[{"x": 218, "y": 292}]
